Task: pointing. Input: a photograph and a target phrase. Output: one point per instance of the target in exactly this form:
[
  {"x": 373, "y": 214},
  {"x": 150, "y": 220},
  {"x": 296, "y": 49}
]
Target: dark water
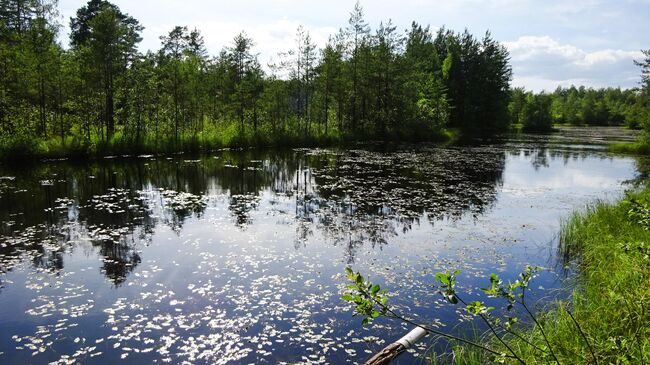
[{"x": 237, "y": 256}]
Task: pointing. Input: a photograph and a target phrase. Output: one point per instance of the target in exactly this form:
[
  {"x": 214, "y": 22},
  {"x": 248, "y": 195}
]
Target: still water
[{"x": 238, "y": 256}]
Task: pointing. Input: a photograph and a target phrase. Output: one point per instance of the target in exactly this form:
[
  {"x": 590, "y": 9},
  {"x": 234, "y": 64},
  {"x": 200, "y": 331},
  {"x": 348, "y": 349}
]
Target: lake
[{"x": 238, "y": 256}]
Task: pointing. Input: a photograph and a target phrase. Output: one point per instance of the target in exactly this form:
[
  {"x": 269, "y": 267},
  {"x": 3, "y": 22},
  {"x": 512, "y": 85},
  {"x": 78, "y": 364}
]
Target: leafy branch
[{"x": 371, "y": 301}]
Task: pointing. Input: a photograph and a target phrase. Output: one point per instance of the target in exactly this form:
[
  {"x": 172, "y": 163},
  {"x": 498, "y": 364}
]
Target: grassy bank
[
  {"x": 632, "y": 148},
  {"x": 17, "y": 149},
  {"x": 610, "y": 244}
]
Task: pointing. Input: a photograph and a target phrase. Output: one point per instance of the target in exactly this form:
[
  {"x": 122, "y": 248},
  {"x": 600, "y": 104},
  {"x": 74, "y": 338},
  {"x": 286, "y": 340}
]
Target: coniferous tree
[
  {"x": 106, "y": 38},
  {"x": 383, "y": 84},
  {"x": 642, "y": 107},
  {"x": 357, "y": 31}
]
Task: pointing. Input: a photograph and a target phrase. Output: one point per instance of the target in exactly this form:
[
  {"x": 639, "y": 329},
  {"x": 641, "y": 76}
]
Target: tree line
[
  {"x": 102, "y": 94},
  {"x": 644, "y": 108},
  {"x": 579, "y": 106}
]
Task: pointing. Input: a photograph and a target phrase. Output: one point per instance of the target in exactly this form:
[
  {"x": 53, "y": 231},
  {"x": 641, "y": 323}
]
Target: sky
[{"x": 551, "y": 42}]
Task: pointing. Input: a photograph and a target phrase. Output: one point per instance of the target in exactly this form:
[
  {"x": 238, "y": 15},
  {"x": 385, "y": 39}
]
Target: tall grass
[
  {"x": 19, "y": 148},
  {"x": 610, "y": 245},
  {"x": 211, "y": 136}
]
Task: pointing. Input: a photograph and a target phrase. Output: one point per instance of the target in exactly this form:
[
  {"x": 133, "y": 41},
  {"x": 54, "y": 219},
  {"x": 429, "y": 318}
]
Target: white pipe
[
  {"x": 412, "y": 337},
  {"x": 391, "y": 351}
]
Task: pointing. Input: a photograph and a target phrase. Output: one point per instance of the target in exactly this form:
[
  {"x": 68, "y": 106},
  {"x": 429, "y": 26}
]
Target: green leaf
[
  {"x": 375, "y": 288},
  {"x": 359, "y": 279},
  {"x": 442, "y": 278},
  {"x": 347, "y": 298}
]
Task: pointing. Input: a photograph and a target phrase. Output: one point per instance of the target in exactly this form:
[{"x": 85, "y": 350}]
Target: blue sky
[{"x": 553, "y": 42}]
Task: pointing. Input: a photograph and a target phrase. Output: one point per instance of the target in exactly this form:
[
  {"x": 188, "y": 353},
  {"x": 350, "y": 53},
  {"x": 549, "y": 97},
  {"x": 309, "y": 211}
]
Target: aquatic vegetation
[
  {"x": 182, "y": 201},
  {"x": 634, "y": 148},
  {"x": 237, "y": 257}
]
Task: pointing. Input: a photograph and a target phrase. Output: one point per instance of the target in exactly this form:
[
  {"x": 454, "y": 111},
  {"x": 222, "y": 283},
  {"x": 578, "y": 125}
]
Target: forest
[
  {"x": 100, "y": 95},
  {"x": 578, "y": 106}
]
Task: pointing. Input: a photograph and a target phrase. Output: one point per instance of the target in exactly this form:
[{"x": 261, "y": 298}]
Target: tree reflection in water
[{"x": 352, "y": 198}]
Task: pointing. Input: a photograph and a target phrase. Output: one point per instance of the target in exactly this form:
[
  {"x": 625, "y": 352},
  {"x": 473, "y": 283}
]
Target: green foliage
[
  {"x": 510, "y": 291},
  {"x": 18, "y": 146},
  {"x": 109, "y": 98},
  {"x": 637, "y": 247},
  {"x": 639, "y": 211},
  {"x": 369, "y": 299},
  {"x": 478, "y": 308},
  {"x": 537, "y": 113},
  {"x": 448, "y": 285},
  {"x": 365, "y": 84},
  {"x": 603, "y": 107},
  {"x": 633, "y": 148},
  {"x": 105, "y": 40},
  {"x": 608, "y": 319},
  {"x": 606, "y": 322},
  {"x": 531, "y": 111},
  {"x": 477, "y": 78},
  {"x": 645, "y": 71},
  {"x": 642, "y": 107},
  {"x": 608, "y": 243}
]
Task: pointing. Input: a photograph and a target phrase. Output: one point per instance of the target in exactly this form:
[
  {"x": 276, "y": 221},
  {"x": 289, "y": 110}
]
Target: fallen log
[{"x": 393, "y": 350}]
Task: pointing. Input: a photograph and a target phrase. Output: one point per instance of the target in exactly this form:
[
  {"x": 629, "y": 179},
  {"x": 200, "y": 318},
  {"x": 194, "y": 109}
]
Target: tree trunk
[
  {"x": 110, "y": 111},
  {"x": 41, "y": 105},
  {"x": 327, "y": 105}
]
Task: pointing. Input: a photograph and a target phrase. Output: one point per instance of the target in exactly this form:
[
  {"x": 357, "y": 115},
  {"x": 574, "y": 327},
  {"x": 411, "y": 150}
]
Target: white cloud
[
  {"x": 544, "y": 63},
  {"x": 528, "y": 48},
  {"x": 609, "y": 56}
]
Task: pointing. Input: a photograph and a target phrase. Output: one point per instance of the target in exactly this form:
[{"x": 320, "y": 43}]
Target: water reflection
[
  {"x": 352, "y": 197},
  {"x": 196, "y": 252}
]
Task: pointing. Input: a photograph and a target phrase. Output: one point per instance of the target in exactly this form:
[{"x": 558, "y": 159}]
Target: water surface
[{"x": 237, "y": 256}]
